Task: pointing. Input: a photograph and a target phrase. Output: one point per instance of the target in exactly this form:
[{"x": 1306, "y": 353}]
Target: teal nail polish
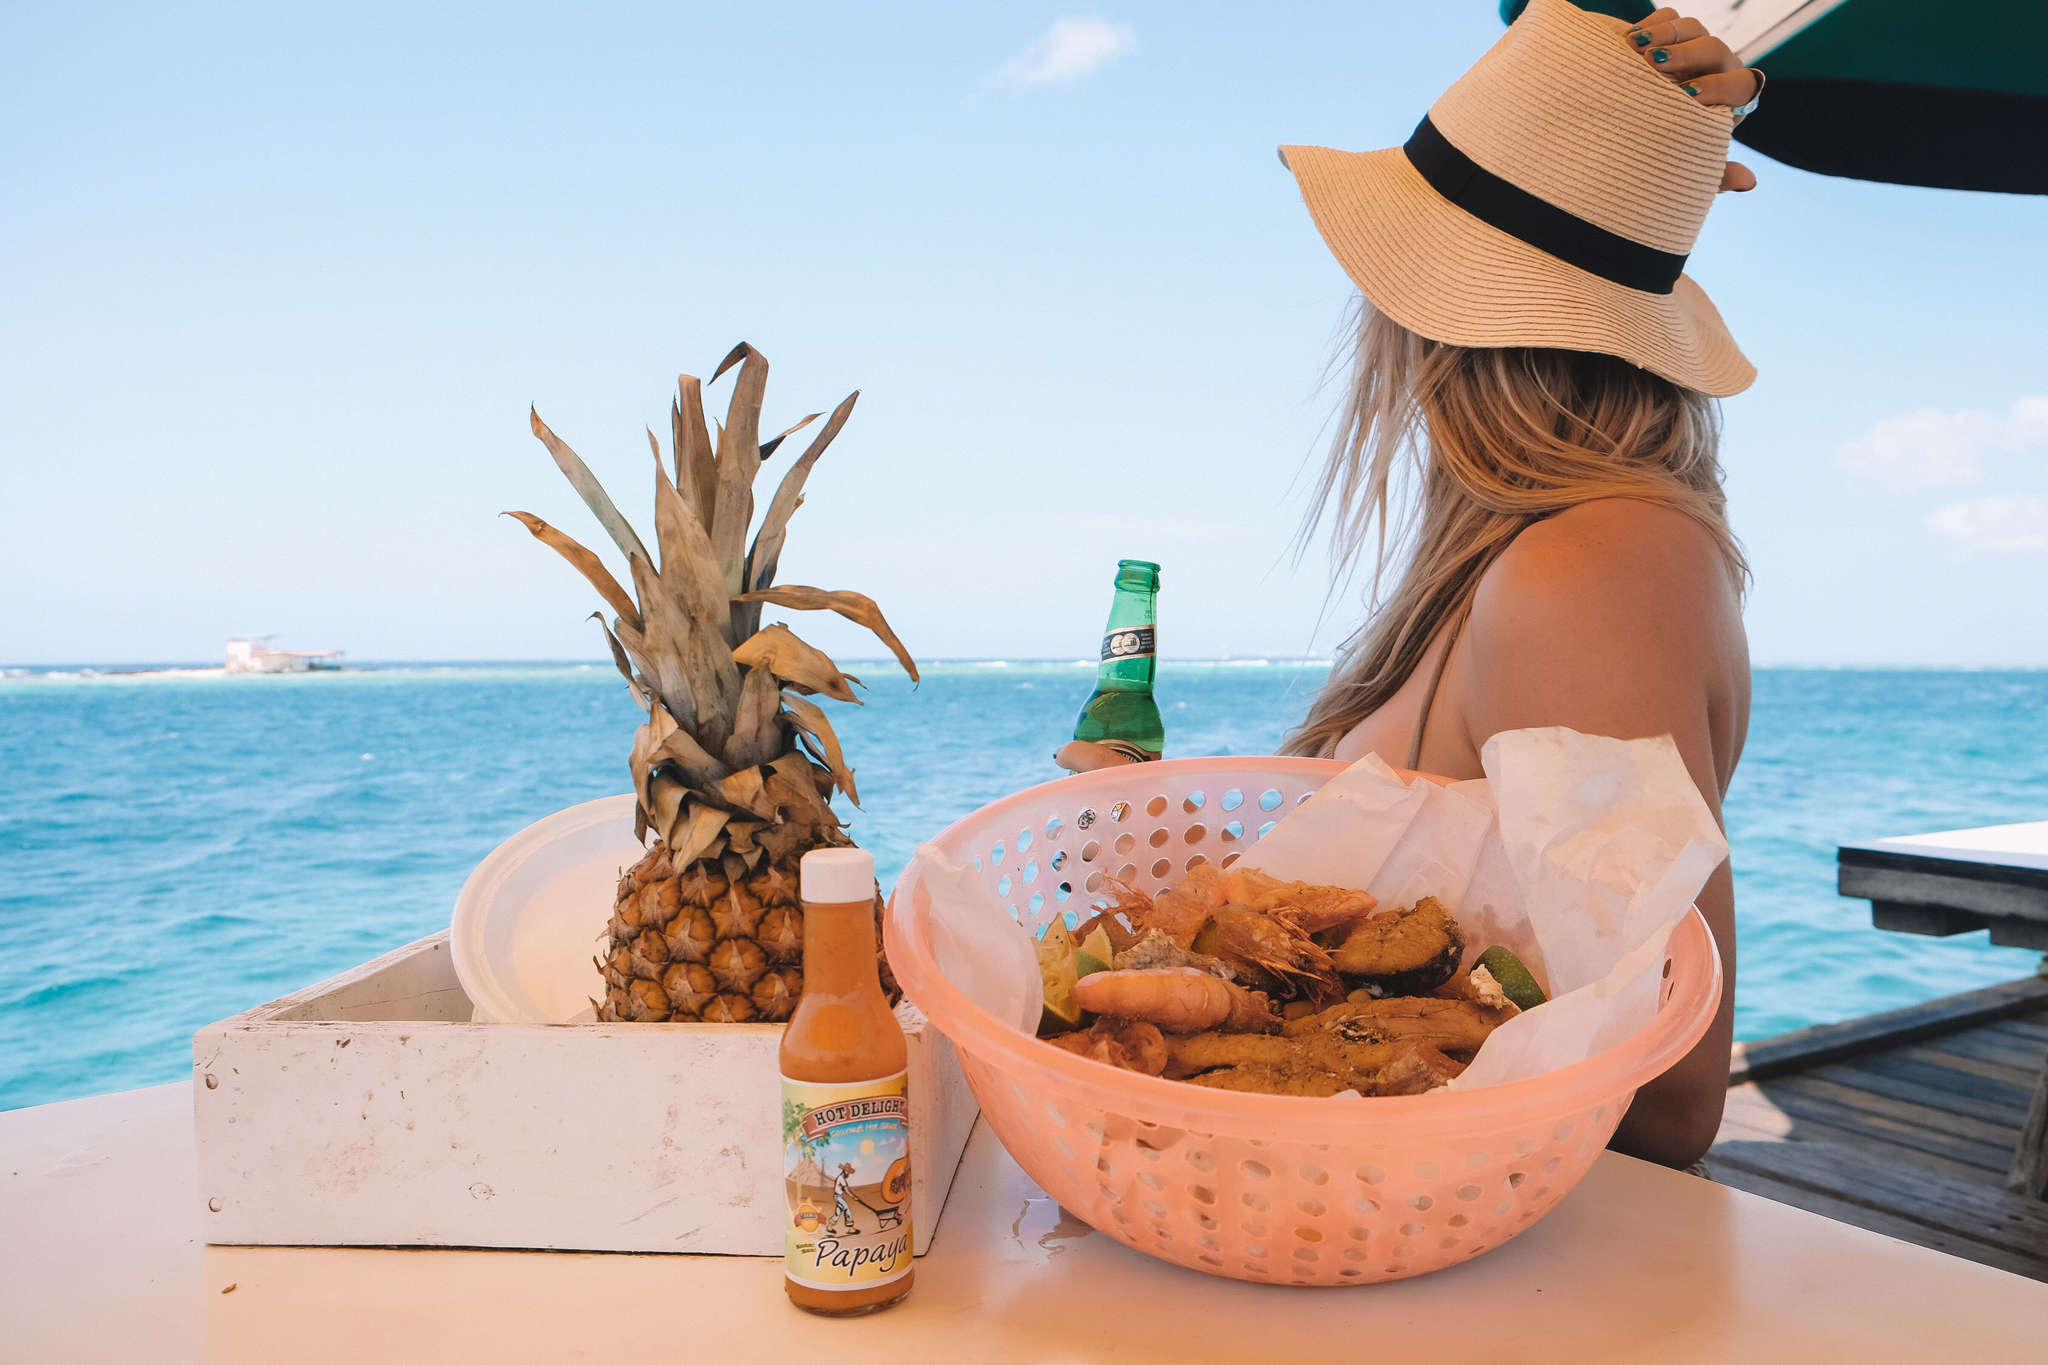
[
  {"x": 1660, "y": 56},
  {"x": 1640, "y": 38},
  {"x": 1689, "y": 88}
]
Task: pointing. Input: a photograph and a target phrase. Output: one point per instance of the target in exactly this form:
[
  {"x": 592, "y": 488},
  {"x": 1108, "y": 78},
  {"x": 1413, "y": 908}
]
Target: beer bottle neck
[{"x": 1130, "y": 639}]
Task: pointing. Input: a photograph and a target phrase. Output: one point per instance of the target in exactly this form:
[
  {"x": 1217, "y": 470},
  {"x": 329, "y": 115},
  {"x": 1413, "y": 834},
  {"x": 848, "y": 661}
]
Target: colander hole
[
  {"x": 1585, "y": 1146},
  {"x": 1058, "y": 860},
  {"x": 1270, "y": 799},
  {"x": 1257, "y": 1270},
  {"x": 1401, "y": 1253},
  {"x": 1252, "y": 1199},
  {"x": 1458, "y": 1220},
  {"x": 1093, "y": 1130},
  {"x": 1159, "y": 837},
  {"x": 1447, "y": 1243},
  {"x": 1085, "y": 818},
  {"x": 1257, "y": 1170},
  {"x": 1410, "y": 1230},
  {"x": 1353, "y": 1254},
  {"x": 1052, "y": 1111},
  {"x": 1539, "y": 1192},
  {"x": 1598, "y": 1113},
  {"x": 1053, "y": 827},
  {"x": 1308, "y": 1234},
  {"x": 1371, "y": 1174},
  {"x": 1205, "y": 1222},
  {"x": 1474, "y": 1251},
  {"x": 1502, "y": 1207},
  {"x": 1003, "y": 886},
  {"x": 1305, "y": 1254},
  {"x": 1148, "y": 1180},
  {"x": 1161, "y": 868},
  {"x": 1202, "y": 1194},
  {"x": 1259, "y": 1142},
  {"x": 1156, "y": 807},
  {"x": 1302, "y": 799},
  {"x": 1195, "y": 862},
  {"x": 1365, "y": 1206},
  {"x": 1421, "y": 1202},
  {"x": 1206, "y": 1259},
  {"x": 1031, "y": 870},
  {"x": 1127, "y": 873},
  {"x": 1107, "y": 1193},
  {"x": 1266, "y": 828},
  {"x": 1159, "y": 1231},
  {"x": 1562, "y": 1131},
  {"x": 1256, "y": 1227},
  {"x": 1118, "y": 812},
  {"x": 1147, "y": 1150},
  {"x": 1193, "y": 802},
  {"x": 1525, "y": 1215},
  {"x": 1314, "y": 1208},
  {"x": 1125, "y": 843},
  {"x": 1155, "y": 1208},
  {"x": 1550, "y": 1166},
  {"x": 1037, "y": 901},
  {"x": 1667, "y": 969},
  {"x": 1314, "y": 1174},
  {"x": 1194, "y": 834},
  {"x": 1023, "y": 840},
  {"x": 1102, "y": 1163},
  {"x": 1120, "y": 1215},
  {"x": 1062, "y": 891},
  {"x": 1090, "y": 849},
  {"x": 1427, "y": 1170},
  {"x": 1255, "y": 1250},
  {"x": 1228, "y": 861},
  {"x": 1350, "y": 1272},
  {"x": 1205, "y": 1240},
  {"x": 1525, "y": 1146},
  {"x": 1475, "y": 1160},
  {"x": 1201, "y": 1160},
  {"x": 1059, "y": 1145},
  {"x": 1515, "y": 1179},
  {"x": 995, "y": 855},
  {"x": 1017, "y": 1093},
  {"x": 1468, "y": 1193},
  {"x": 1232, "y": 799},
  {"x": 1093, "y": 884}
]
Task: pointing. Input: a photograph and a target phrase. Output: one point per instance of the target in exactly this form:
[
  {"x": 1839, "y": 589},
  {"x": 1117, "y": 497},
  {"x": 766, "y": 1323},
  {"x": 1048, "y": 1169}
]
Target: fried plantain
[{"x": 1403, "y": 952}]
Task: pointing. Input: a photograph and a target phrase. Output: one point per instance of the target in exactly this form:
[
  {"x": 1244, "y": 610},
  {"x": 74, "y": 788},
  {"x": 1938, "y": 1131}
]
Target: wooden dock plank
[
  {"x": 1989, "y": 1047},
  {"x": 1754, "y": 1116},
  {"x": 1933, "y": 1086},
  {"x": 2024, "y": 1028},
  {"x": 1832, "y": 1042},
  {"x": 1889, "y": 1103},
  {"x": 1798, "y": 1103},
  {"x": 1749, "y": 1179},
  {"x": 1992, "y": 1071}
]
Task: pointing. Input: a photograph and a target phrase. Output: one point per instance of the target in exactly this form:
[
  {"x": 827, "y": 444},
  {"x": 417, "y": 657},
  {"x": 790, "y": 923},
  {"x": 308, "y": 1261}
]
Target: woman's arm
[{"x": 1622, "y": 618}]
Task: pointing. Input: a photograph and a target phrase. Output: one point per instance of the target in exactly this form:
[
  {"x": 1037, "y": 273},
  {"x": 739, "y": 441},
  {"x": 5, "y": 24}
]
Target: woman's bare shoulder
[{"x": 1609, "y": 558}]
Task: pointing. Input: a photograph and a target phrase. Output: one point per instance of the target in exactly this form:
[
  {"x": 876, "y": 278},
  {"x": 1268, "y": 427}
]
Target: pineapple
[{"x": 735, "y": 767}]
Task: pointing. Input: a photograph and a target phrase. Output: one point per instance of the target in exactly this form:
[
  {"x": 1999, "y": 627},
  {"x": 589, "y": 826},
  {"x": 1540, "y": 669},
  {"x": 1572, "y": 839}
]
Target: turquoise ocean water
[{"x": 175, "y": 850}]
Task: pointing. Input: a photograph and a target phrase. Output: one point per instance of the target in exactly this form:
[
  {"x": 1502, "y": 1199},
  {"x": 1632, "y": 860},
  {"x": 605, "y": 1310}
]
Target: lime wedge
[
  {"x": 1517, "y": 983},
  {"x": 1094, "y": 950},
  {"x": 1056, "y": 972}
]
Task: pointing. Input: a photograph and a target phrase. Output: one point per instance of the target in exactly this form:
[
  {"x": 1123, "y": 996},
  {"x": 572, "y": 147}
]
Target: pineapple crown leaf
[
  {"x": 855, "y": 607},
  {"x": 589, "y": 565}
]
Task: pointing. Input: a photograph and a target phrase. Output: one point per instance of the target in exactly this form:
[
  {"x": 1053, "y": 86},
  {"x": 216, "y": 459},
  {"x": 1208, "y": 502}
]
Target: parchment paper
[{"x": 1578, "y": 852}]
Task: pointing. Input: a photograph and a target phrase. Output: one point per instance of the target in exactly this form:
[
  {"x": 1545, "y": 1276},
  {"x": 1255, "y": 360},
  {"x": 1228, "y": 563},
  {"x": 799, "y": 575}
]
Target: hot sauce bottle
[{"x": 845, "y": 1105}]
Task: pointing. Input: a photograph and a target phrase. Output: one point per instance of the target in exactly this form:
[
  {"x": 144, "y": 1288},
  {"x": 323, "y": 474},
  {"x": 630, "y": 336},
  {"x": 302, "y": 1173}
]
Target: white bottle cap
[{"x": 836, "y": 876}]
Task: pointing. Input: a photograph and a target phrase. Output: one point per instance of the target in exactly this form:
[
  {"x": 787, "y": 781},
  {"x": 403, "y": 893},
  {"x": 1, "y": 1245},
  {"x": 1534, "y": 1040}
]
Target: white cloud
[
  {"x": 1929, "y": 449},
  {"x": 2008, "y": 523},
  {"x": 1069, "y": 49}
]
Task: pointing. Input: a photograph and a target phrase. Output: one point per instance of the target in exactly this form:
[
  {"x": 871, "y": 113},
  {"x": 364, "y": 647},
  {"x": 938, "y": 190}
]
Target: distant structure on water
[{"x": 253, "y": 654}]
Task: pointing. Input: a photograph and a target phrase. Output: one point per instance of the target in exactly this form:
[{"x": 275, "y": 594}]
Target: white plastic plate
[{"x": 528, "y": 920}]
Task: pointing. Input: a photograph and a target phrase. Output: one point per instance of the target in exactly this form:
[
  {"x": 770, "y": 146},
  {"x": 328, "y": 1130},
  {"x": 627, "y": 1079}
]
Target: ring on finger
[{"x": 1743, "y": 111}]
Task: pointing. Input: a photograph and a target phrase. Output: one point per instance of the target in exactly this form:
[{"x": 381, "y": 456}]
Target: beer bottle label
[
  {"x": 1138, "y": 642},
  {"x": 846, "y": 1161}
]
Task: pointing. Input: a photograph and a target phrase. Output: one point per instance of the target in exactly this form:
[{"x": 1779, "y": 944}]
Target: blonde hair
[{"x": 1495, "y": 439}]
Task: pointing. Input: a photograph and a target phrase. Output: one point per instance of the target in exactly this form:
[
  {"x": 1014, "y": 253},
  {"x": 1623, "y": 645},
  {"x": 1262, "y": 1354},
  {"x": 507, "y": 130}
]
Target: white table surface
[
  {"x": 2023, "y": 845},
  {"x": 102, "y": 1221}
]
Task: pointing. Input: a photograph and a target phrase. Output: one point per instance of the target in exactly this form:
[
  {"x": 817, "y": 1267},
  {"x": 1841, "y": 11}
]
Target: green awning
[{"x": 1911, "y": 92}]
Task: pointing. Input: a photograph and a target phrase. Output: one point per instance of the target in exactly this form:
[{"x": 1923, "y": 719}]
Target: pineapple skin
[{"x": 693, "y": 945}]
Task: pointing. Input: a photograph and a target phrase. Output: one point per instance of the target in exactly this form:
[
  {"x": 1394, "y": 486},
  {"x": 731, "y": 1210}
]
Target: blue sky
[{"x": 277, "y": 284}]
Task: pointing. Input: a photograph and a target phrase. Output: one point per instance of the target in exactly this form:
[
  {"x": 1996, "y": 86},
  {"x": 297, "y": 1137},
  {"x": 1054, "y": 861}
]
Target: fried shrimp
[
  {"x": 1130, "y": 1044},
  {"x": 1177, "y": 999}
]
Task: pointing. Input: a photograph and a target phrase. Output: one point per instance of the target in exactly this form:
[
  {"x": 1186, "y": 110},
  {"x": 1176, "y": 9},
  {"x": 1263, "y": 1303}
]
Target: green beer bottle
[{"x": 1122, "y": 715}]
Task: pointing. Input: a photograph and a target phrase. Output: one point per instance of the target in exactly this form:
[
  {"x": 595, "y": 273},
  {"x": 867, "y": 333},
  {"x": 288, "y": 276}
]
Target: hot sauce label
[{"x": 846, "y": 1162}]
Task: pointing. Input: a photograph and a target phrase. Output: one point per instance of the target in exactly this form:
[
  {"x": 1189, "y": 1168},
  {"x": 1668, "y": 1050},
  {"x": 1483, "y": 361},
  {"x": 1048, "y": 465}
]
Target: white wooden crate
[{"x": 368, "y": 1111}]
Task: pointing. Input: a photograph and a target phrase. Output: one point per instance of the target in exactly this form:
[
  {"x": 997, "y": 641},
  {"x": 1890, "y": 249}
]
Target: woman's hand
[
  {"x": 1079, "y": 756},
  {"x": 1703, "y": 67}
]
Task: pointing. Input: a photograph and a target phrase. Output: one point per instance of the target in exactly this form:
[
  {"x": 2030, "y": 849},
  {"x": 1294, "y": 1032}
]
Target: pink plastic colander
[{"x": 1259, "y": 1187}]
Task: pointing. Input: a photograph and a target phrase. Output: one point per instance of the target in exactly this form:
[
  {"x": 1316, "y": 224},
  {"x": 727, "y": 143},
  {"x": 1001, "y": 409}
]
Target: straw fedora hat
[{"x": 1514, "y": 217}]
